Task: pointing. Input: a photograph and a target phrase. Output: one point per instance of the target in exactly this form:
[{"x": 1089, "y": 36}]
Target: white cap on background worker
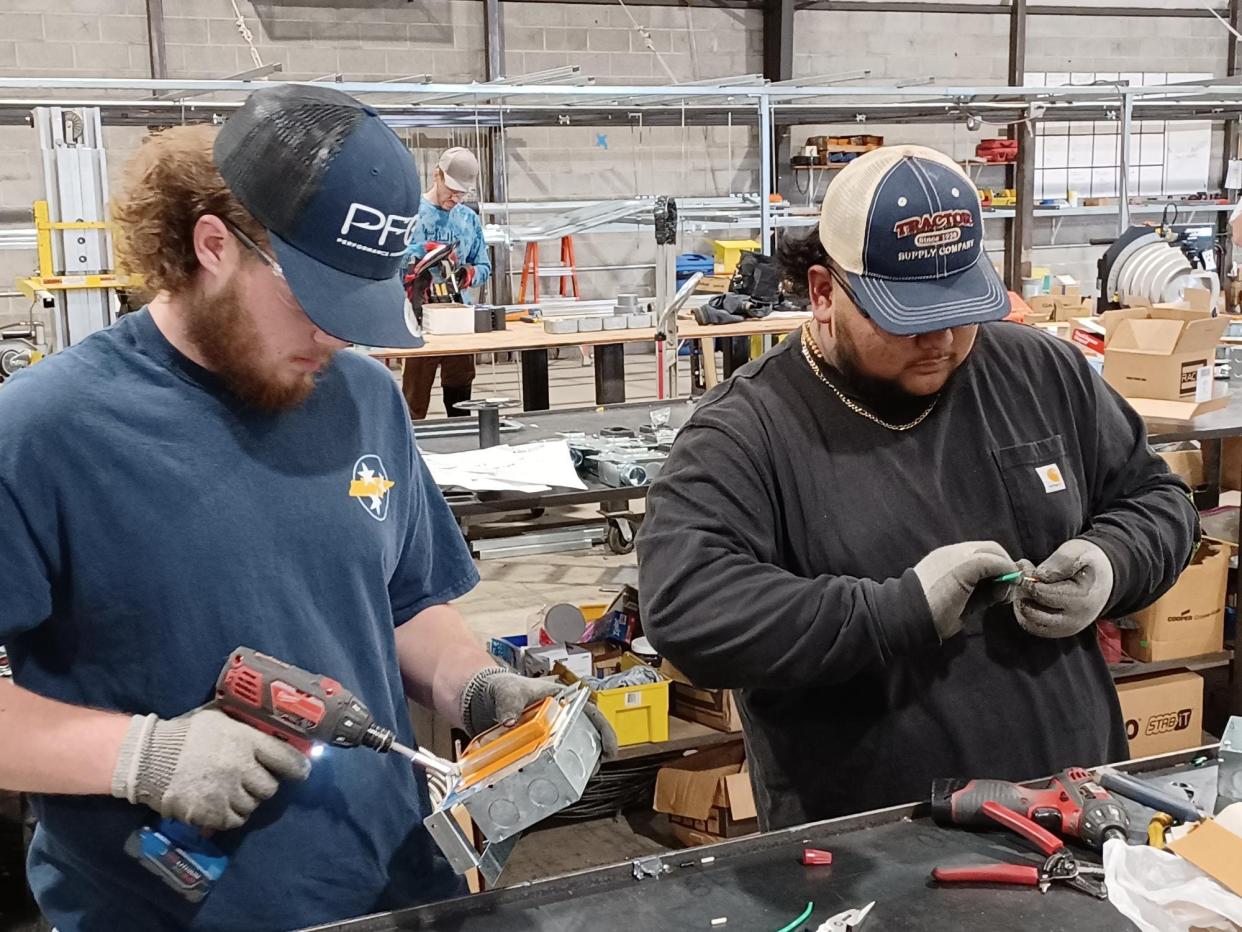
[{"x": 460, "y": 169}]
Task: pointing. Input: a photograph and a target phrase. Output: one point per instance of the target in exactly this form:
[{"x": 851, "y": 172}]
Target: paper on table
[{"x": 526, "y": 467}]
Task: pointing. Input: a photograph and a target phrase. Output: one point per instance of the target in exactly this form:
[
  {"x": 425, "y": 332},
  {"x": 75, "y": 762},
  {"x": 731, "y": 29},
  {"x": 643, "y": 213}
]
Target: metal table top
[
  {"x": 758, "y": 883},
  {"x": 543, "y": 425}
]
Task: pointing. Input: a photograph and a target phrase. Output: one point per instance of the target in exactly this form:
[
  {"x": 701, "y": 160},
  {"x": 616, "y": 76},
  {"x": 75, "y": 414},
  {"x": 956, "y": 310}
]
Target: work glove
[
  {"x": 202, "y": 768},
  {"x": 957, "y": 581},
  {"x": 494, "y": 695},
  {"x": 1066, "y": 592},
  {"x": 465, "y": 277}
]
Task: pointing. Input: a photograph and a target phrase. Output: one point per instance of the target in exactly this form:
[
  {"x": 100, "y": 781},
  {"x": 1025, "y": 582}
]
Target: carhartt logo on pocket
[{"x": 1051, "y": 477}]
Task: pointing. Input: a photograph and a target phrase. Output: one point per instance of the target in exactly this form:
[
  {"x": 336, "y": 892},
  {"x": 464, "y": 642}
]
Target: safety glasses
[{"x": 269, "y": 261}]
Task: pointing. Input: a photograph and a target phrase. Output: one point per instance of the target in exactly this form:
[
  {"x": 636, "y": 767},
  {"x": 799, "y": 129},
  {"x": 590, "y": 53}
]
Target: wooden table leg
[{"x": 708, "y": 347}]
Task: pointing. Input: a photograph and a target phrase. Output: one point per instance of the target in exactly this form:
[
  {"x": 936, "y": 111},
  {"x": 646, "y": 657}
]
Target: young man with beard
[
  {"x": 212, "y": 472},
  {"x": 827, "y": 531}
]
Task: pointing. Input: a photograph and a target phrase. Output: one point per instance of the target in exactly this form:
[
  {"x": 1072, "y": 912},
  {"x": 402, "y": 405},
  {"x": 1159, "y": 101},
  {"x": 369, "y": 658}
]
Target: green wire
[
  {"x": 806, "y": 914},
  {"x": 1009, "y": 577}
]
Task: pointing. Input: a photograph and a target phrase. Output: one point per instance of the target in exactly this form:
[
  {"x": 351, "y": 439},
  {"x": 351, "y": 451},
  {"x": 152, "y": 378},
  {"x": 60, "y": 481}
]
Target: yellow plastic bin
[
  {"x": 638, "y": 714},
  {"x": 729, "y": 253}
]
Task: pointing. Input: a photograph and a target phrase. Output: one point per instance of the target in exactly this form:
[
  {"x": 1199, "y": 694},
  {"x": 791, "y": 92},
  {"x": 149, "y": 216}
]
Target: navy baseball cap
[
  {"x": 339, "y": 195},
  {"x": 904, "y": 226}
]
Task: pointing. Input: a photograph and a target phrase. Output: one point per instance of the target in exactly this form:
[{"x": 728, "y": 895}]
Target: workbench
[
  {"x": 758, "y": 884},
  {"x": 531, "y": 343},
  {"x": 467, "y": 506}
]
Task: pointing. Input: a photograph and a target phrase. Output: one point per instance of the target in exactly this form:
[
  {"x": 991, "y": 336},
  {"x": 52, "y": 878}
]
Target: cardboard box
[
  {"x": 1162, "y": 713},
  {"x": 1214, "y": 848},
  {"x": 714, "y": 708},
  {"x": 1189, "y": 619},
  {"x": 1186, "y": 463},
  {"x": 1160, "y": 352},
  {"x": 540, "y": 661},
  {"x": 1162, "y": 359},
  {"x": 448, "y": 319},
  {"x": 708, "y": 795},
  {"x": 1088, "y": 334}
]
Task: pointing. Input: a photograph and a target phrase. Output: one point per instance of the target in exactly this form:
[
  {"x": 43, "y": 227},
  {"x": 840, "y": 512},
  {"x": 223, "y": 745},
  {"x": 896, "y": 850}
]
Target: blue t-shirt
[{"x": 150, "y": 524}]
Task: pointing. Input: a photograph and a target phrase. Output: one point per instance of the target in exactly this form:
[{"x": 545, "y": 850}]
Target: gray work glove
[
  {"x": 202, "y": 768},
  {"x": 1069, "y": 591},
  {"x": 494, "y": 695},
  {"x": 956, "y": 580}
]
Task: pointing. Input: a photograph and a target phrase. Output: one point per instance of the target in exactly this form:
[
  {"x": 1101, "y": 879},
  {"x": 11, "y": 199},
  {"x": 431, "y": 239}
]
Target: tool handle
[
  {"x": 961, "y": 803},
  {"x": 1151, "y": 796},
  {"x": 1040, "y": 837},
  {"x": 1023, "y": 874}
]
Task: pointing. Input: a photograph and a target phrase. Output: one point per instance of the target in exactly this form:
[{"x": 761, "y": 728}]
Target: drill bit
[{"x": 425, "y": 759}]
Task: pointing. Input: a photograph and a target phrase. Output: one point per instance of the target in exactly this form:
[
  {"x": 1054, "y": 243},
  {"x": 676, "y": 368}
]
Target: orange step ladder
[{"x": 530, "y": 270}]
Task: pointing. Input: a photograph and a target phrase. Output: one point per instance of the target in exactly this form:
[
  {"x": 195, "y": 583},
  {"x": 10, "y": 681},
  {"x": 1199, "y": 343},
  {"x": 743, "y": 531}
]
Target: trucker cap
[
  {"x": 460, "y": 168},
  {"x": 338, "y": 194},
  {"x": 903, "y": 224}
]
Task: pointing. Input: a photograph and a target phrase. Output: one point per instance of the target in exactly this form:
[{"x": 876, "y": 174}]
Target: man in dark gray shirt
[{"x": 826, "y": 535}]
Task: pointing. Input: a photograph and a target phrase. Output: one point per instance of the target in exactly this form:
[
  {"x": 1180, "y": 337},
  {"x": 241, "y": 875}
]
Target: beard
[
  {"x": 224, "y": 332},
  {"x": 884, "y": 394}
]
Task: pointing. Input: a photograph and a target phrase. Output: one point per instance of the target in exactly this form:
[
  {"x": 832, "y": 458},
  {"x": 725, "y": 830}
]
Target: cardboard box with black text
[
  {"x": 1162, "y": 359},
  {"x": 1162, "y": 713},
  {"x": 1189, "y": 619}
]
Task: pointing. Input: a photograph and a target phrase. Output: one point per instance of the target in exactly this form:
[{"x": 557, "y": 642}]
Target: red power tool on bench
[{"x": 1072, "y": 804}]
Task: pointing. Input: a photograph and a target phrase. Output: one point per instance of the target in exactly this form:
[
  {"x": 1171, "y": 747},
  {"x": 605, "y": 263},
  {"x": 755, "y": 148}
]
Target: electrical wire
[{"x": 806, "y": 914}]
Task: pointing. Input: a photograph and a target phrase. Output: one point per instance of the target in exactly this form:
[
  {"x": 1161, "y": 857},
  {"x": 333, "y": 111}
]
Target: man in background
[{"x": 443, "y": 218}]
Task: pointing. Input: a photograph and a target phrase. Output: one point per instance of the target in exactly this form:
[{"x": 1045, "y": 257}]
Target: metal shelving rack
[{"x": 764, "y": 106}]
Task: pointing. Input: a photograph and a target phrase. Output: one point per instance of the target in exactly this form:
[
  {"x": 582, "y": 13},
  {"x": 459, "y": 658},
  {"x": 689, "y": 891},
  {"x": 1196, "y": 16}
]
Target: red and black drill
[
  {"x": 1072, "y": 804},
  {"x": 294, "y": 705}
]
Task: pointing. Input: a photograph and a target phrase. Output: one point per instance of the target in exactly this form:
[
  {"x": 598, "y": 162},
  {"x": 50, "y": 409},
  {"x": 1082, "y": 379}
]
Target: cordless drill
[
  {"x": 288, "y": 703},
  {"x": 1072, "y": 804}
]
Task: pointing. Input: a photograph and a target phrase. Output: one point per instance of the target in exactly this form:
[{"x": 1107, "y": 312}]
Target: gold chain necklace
[{"x": 811, "y": 353}]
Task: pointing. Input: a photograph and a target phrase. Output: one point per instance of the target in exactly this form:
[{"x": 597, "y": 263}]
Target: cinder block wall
[{"x": 445, "y": 38}]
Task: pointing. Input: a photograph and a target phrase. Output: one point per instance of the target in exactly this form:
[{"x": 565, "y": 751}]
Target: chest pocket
[{"x": 1044, "y": 492}]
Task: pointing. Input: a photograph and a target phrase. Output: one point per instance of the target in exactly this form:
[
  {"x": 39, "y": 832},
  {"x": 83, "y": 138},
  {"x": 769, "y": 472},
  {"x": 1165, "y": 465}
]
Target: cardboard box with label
[
  {"x": 707, "y": 796},
  {"x": 1162, "y": 713},
  {"x": 1161, "y": 359},
  {"x": 1189, "y": 619},
  {"x": 715, "y": 708}
]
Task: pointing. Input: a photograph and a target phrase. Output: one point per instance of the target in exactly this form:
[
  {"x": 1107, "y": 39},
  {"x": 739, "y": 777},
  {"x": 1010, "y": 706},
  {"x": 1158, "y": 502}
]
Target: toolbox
[{"x": 637, "y": 714}]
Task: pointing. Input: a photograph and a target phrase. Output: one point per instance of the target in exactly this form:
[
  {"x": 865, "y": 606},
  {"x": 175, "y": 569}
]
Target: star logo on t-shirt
[{"x": 369, "y": 486}]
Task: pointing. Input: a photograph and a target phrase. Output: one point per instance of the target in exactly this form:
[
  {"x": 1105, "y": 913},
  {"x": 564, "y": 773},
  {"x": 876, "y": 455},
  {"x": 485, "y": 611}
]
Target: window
[{"x": 1166, "y": 158}]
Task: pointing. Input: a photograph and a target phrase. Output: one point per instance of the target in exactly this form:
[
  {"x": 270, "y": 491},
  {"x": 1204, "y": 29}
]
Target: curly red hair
[{"x": 167, "y": 186}]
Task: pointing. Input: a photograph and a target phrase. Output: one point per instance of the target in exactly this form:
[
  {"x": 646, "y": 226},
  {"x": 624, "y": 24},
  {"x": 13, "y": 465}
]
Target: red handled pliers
[{"x": 1061, "y": 865}]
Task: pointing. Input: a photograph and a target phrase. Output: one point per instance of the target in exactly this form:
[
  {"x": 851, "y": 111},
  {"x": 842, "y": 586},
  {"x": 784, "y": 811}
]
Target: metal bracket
[{"x": 650, "y": 866}]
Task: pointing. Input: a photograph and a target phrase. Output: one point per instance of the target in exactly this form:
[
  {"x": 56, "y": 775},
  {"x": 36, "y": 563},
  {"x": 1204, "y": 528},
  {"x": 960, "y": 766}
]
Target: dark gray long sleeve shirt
[{"x": 777, "y": 552}]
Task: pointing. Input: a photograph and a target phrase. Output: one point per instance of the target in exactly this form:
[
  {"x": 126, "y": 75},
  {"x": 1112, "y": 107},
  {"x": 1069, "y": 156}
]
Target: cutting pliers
[{"x": 1061, "y": 865}]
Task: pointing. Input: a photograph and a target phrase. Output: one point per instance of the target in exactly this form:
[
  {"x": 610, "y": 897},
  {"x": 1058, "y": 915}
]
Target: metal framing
[
  {"x": 1233, "y": 128},
  {"x": 155, "y": 39},
  {"x": 1021, "y": 175}
]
